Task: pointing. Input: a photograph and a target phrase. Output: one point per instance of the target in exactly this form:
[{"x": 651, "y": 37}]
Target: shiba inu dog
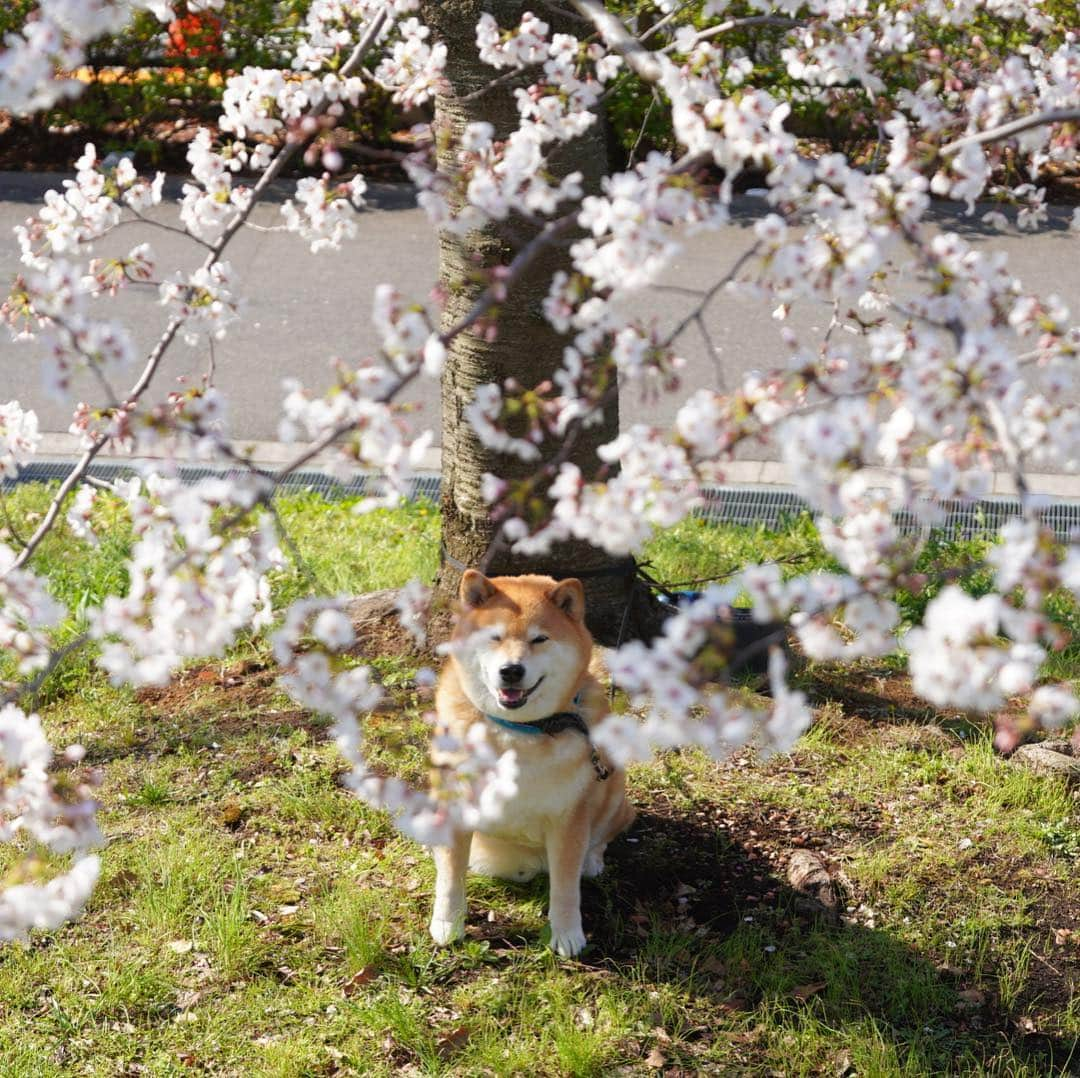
[{"x": 519, "y": 664}]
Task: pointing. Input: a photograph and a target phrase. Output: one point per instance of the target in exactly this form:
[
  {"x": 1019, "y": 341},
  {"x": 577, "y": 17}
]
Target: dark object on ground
[
  {"x": 745, "y": 642},
  {"x": 753, "y": 640}
]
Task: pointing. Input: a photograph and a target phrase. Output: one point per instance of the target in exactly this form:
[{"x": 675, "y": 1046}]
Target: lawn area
[{"x": 255, "y": 919}]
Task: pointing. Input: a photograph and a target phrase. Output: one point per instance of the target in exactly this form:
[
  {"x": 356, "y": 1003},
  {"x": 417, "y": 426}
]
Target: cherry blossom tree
[
  {"x": 939, "y": 366},
  {"x": 519, "y": 344}
]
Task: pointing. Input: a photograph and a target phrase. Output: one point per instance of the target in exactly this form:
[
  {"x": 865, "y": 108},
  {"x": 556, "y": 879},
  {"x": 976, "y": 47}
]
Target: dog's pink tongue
[{"x": 511, "y": 696}]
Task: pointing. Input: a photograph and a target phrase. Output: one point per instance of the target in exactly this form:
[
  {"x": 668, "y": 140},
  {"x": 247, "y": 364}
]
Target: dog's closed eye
[{"x": 538, "y": 640}]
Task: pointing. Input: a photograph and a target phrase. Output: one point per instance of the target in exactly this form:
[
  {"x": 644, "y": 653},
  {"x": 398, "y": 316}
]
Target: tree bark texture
[{"x": 525, "y": 348}]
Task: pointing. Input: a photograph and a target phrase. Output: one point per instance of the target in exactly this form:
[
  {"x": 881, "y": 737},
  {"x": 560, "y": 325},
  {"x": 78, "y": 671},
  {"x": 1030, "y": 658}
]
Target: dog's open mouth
[{"x": 514, "y": 698}]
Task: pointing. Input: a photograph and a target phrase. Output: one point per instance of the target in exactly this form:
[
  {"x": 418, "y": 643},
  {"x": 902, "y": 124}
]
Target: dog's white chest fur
[{"x": 551, "y": 779}]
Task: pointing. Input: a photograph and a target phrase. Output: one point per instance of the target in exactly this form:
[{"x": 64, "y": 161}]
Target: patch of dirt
[
  {"x": 1053, "y": 978},
  {"x": 232, "y": 698},
  {"x": 714, "y": 862}
]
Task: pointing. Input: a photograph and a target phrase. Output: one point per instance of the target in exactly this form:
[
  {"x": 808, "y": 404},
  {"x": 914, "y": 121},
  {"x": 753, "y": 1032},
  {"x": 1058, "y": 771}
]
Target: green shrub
[
  {"x": 844, "y": 117},
  {"x": 144, "y": 77}
]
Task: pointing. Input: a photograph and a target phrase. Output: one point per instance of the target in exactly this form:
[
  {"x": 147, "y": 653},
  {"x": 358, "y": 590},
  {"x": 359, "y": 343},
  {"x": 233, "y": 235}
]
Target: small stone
[
  {"x": 1054, "y": 757},
  {"x": 808, "y": 875}
]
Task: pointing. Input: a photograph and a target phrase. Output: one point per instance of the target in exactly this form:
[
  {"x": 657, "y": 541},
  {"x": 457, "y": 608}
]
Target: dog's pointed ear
[
  {"x": 569, "y": 597},
  {"x": 476, "y": 589}
]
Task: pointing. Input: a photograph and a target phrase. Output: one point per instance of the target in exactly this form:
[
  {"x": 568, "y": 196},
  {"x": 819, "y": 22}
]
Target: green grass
[{"x": 255, "y": 919}]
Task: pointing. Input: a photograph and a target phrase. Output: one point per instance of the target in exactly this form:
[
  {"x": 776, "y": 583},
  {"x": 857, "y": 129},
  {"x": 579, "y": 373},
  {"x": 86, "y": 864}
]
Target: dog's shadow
[{"x": 689, "y": 903}]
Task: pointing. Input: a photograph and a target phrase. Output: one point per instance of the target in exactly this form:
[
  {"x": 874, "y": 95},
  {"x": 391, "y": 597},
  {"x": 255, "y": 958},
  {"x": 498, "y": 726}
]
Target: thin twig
[
  {"x": 12, "y": 530},
  {"x": 1012, "y": 454},
  {"x": 654, "y": 97},
  {"x": 710, "y": 294},
  {"x": 505, "y": 77},
  {"x": 140, "y": 219},
  {"x": 664, "y": 586},
  {"x": 740, "y": 24},
  {"x": 301, "y": 562},
  {"x": 66, "y": 487},
  {"x": 211, "y": 364},
  {"x": 56, "y": 657},
  {"x": 660, "y": 24},
  {"x": 521, "y": 261}
]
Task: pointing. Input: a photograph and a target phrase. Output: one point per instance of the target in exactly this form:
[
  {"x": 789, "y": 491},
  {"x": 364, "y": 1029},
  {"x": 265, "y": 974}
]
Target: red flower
[{"x": 194, "y": 35}]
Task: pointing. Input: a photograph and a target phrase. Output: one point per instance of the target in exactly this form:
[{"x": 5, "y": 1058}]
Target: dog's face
[{"x": 520, "y": 645}]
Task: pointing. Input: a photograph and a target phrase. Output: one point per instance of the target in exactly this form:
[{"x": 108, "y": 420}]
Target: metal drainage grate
[
  {"x": 772, "y": 507},
  {"x": 318, "y": 482},
  {"x": 755, "y": 505}
]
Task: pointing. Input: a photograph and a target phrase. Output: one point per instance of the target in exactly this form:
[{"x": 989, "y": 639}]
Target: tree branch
[
  {"x": 1015, "y": 127},
  {"x": 55, "y": 659},
  {"x": 739, "y": 24}
]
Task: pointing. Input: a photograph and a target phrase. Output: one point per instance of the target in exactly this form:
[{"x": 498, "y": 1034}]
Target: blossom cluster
[
  {"x": 27, "y": 613},
  {"x": 323, "y": 215},
  {"x": 51, "y": 300},
  {"x": 414, "y": 66},
  {"x": 473, "y": 779},
  {"x": 35, "y": 64},
  {"x": 192, "y": 588},
  {"x": 664, "y": 680},
  {"x": 654, "y": 487},
  {"x": 493, "y": 177},
  {"x": 32, "y": 806},
  {"x": 19, "y": 437}
]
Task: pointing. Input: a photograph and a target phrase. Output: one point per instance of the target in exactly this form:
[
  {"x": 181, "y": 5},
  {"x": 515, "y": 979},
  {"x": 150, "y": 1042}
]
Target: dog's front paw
[
  {"x": 446, "y": 931},
  {"x": 567, "y": 941}
]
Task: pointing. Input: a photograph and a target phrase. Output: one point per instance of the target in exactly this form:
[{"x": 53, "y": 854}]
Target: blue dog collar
[
  {"x": 516, "y": 727},
  {"x": 555, "y": 724},
  {"x": 528, "y": 727}
]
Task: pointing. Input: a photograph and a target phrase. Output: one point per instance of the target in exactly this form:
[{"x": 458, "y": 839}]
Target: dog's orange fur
[{"x": 562, "y": 816}]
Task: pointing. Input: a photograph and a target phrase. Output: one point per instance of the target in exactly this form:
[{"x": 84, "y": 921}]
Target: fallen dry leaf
[
  {"x": 180, "y": 946},
  {"x": 452, "y": 1040},
  {"x": 655, "y": 1059},
  {"x": 360, "y": 978}
]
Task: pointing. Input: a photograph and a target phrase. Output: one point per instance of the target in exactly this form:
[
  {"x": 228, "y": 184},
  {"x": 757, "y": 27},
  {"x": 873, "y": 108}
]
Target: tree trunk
[{"x": 526, "y": 347}]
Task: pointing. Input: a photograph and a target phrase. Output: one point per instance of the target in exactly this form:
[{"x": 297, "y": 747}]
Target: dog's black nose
[{"x": 511, "y": 673}]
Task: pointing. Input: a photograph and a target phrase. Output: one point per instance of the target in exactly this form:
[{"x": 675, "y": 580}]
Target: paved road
[{"x": 304, "y": 309}]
